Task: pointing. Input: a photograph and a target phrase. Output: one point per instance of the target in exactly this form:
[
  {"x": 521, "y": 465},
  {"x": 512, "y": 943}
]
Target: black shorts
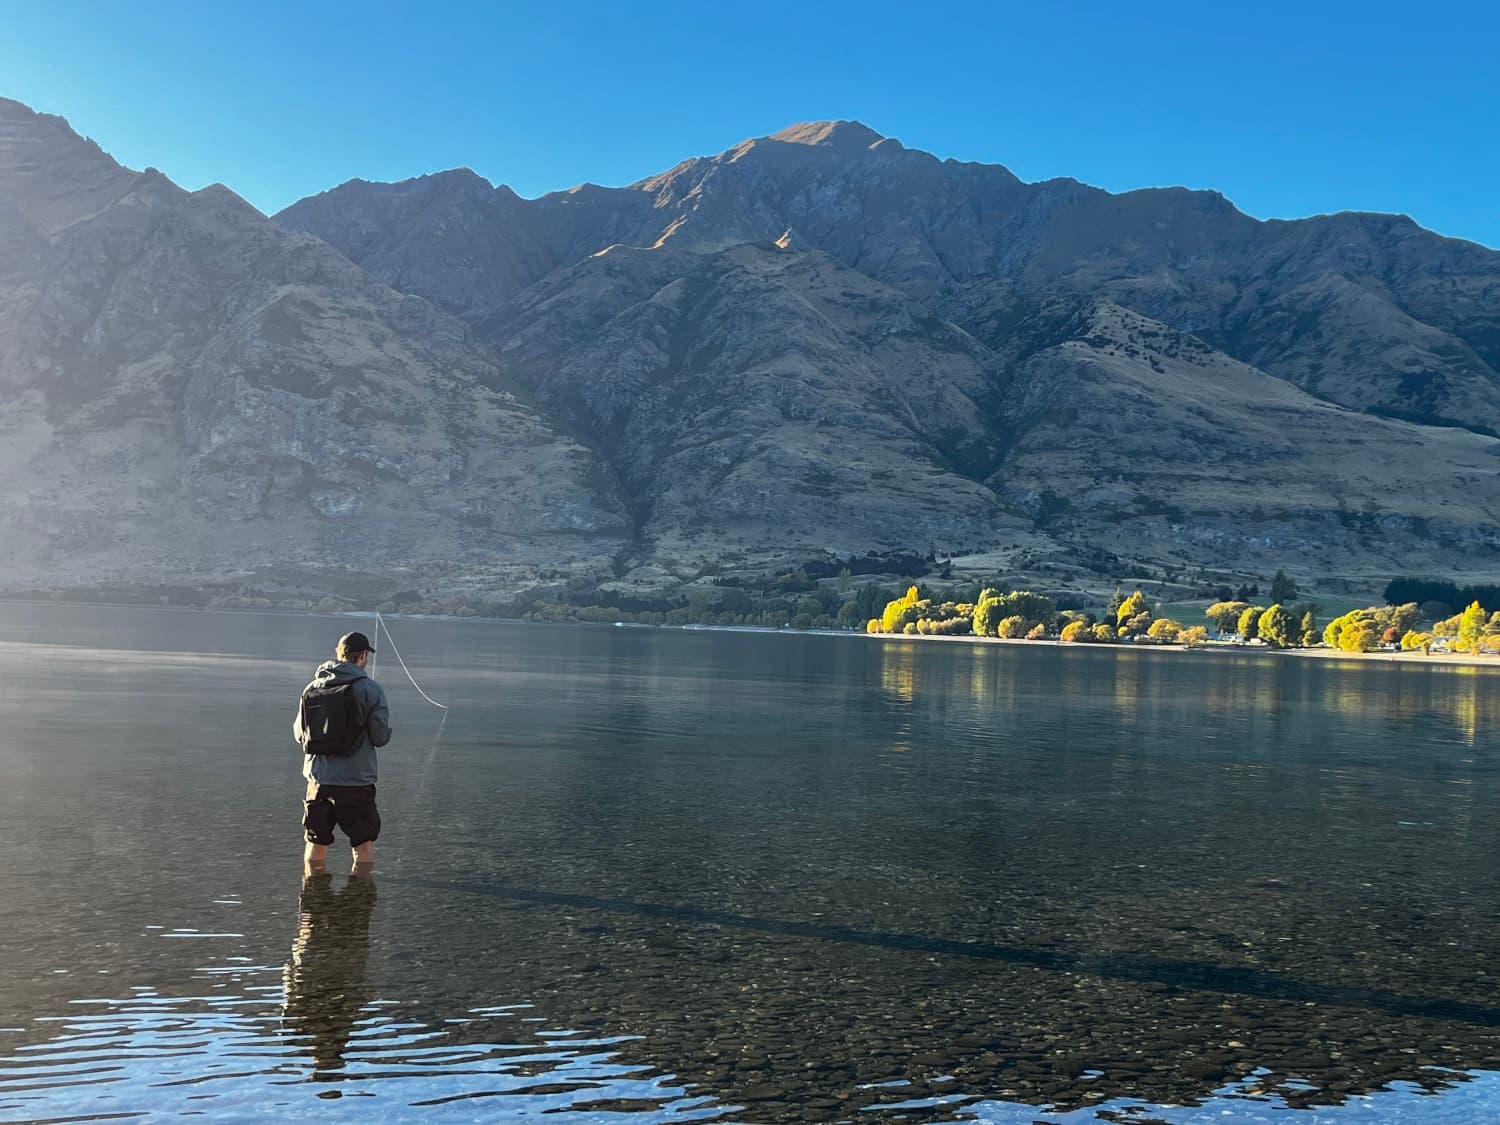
[{"x": 350, "y": 807}]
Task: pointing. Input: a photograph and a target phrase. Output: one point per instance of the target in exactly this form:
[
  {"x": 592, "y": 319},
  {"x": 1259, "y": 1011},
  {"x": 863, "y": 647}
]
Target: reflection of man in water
[{"x": 325, "y": 978}]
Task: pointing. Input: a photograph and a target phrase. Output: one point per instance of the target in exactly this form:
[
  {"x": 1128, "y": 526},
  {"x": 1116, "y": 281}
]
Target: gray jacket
[{"x": 357, "y": 767}]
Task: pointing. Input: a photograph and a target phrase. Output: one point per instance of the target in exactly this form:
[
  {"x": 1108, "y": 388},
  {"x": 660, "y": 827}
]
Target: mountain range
[{"x": 815, "y": 344}]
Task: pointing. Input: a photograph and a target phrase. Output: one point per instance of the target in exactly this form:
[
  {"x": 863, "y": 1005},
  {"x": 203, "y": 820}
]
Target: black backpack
[{"x": 330, "y": 719}]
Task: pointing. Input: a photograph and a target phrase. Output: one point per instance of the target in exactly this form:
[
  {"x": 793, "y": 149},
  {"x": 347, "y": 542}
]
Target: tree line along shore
[
  {"x": 1026, "y": 615},
  {"x": 1420, "y": 616}
]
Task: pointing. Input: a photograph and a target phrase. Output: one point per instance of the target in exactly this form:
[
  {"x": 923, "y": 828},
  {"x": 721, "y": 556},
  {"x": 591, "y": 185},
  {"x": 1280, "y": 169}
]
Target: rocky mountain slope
[
  {"x": 825, "y": 337},
  {"x": 193, "y": 393},
  {"x": 817, "y": 343},
  {"x": 1369, "y": 311},
  {"x": 756, "y": 401}
]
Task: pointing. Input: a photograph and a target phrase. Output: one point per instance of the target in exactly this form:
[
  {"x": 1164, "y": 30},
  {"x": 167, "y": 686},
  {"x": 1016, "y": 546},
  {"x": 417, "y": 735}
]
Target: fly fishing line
[{"x": 381, "y": 625}]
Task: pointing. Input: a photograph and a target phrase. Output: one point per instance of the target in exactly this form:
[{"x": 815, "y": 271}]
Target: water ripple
[{"x": 189, "y": 1054}]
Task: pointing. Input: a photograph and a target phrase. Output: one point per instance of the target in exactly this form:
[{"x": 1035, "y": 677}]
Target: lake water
[{"x": 642, "y": 875}]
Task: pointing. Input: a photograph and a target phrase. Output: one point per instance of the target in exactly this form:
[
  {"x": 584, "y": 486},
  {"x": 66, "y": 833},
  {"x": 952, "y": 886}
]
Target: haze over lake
[{"x": 655, "y": 875}]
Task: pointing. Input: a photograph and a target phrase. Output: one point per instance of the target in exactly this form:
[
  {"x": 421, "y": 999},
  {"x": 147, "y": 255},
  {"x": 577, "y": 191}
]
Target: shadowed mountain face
[
  {"x": 754, "y": 399},
  {"x": 825, "y": 338},
  {"x": 1369, "y": 311},
  {"x": 193, "y": 393}
]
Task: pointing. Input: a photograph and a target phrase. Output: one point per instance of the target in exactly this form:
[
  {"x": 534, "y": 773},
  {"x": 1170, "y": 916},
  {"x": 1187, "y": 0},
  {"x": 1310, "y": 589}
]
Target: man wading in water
[{"x": 341, "y": 718}]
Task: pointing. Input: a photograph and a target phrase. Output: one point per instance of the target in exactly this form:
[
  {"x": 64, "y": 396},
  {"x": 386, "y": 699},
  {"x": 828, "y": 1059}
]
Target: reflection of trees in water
[
  {"x": 1127, "y": 685},
  {"x": 898, "y": 684},
  {"x": 326, "y": 991},
  {"x": 898, "y": 677},
  {"x": 1466, "y": 704}
]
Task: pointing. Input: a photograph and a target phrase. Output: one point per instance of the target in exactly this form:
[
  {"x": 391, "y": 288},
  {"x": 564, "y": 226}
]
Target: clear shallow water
[{"x": 647, "y": 875}]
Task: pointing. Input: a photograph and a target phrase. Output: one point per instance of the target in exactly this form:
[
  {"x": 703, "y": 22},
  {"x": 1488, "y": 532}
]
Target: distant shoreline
[
  {"x": 1220, "y": 647},
  {"x": 1447, "y": 659}
]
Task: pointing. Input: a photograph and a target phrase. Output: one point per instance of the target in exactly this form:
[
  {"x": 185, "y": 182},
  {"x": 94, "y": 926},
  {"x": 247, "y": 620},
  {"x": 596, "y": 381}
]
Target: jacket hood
[{"x": 338, "y": 672}]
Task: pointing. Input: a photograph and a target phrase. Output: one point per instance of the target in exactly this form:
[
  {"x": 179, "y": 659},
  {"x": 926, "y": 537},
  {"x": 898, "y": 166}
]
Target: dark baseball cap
[{"x": 354, "y": 644}]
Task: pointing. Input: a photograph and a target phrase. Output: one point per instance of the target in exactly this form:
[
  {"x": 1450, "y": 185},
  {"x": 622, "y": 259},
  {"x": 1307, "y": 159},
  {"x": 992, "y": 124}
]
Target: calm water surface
[{"x": 641, "y": 875}]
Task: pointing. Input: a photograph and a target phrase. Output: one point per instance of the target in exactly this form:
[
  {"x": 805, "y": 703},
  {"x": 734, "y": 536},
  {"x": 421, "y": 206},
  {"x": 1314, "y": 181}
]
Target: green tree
[
  {"x": 1309, "y": 629},
  {"x": 808, "y": 607},
  {"x": 1402, "y": 617},
  {"x": 987, "y": 614},
  {"x": 1248, "y": 621},
  {"x": 1225, "y": 616},
  {"x": 1374, "y": 620},
  {"x": 1447, "y": 627},
  {"x": 1414, "y": 640},
  {"x": 1274, "y": 626},
  {"x": 1164, "y": 629},
  {"x": 901, "y": 612},
  {"x": 946, "y": 619},
  {"x": 1283, "y": 589},
  {"x": 1012, "y": 627},
  {"x": 870, "y": 599},
  {"x": 1362, "y": 630},
  {"x": 1032, "y": 606},
  {"x": 795, "y": 582},
  {"x": 1133, "y": 606},
  {"x": 1470, "y": 626}
]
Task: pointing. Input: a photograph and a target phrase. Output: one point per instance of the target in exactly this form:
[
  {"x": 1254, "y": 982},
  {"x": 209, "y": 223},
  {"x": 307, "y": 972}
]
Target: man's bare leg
[
  {"x": 314, "y": 857},
  {"x": 364, "y": 858}
]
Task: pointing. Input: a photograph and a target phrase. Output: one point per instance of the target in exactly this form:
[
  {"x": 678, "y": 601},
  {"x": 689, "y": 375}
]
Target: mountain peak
[
  {"x": 50, "y": 172},
  {"x": 833, "y": 134},
  {"x": 461, "y": 177}
]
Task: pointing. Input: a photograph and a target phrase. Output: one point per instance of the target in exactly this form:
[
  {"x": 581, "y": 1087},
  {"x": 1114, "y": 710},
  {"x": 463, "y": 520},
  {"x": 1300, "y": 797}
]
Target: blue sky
[{"x": 1288, "y": 109}]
